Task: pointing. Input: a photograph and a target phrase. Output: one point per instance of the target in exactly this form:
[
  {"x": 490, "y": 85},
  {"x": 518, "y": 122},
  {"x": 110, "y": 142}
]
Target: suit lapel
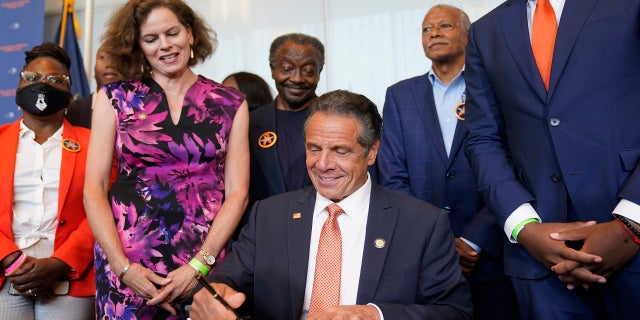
[
  {"x": 458, "y": 139},
  {"x": 422, "y": 95},
  {"x": 380, "y": 225},
  {"x": 9, "y": 142},
  {"x": 267, "y": 158},
  {"x": 574, "y": 15},
  {"x": 68, "y": 165},
  {"x": 299, "y": 239},
  {"x": 516, "y": 33}
]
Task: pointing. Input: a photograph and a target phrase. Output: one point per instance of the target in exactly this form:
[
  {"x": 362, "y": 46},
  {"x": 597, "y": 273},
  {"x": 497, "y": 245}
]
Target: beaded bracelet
[
  {"x": 16, "y": 264},
  {"x": 629, "y": 224},
  {"x": 627, "y": 231},
  {"x": 124, "y": 271}
]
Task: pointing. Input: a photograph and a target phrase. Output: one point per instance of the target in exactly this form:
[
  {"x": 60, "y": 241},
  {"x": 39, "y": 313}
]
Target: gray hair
[
  {"x": 349, "y": 104},
  {"x": 464, "y": 18},
  {"x": 297, "y": 38}
]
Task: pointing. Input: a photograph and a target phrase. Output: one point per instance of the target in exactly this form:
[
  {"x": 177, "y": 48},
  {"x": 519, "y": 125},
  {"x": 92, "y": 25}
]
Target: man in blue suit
[
  {"x": 398, "y": 257},
  {"x": 422, "y": 155},
  {"x": 556, "y": 153}
]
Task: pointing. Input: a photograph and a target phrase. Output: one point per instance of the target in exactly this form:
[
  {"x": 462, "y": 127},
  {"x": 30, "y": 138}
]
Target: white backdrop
[{"x": 369, "y": 44}]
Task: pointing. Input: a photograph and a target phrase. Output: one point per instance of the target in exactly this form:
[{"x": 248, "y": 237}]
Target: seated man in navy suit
[{"x": 396, "y": 255}]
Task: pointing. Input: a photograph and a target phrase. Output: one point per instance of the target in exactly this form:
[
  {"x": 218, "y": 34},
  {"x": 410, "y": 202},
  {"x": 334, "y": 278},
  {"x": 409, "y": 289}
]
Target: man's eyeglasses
[
  {"x": 442, "y": 26},
  {"x": 54, "y": 78}
]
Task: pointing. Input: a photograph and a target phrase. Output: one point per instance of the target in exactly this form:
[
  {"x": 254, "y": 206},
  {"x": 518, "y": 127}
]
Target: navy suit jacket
[
  {"x": 578, "y": 142},
  {"x": 414, "y": 276},
  {"x": 412, "y": 159}
]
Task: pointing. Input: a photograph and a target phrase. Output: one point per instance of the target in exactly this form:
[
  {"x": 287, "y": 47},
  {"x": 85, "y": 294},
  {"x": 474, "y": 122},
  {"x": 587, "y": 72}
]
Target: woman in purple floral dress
[{"x": 181, "y": 147}]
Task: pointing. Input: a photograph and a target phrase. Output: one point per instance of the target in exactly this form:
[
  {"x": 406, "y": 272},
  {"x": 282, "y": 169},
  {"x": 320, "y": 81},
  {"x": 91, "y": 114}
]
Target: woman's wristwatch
[{"x": 209, "y": 259}]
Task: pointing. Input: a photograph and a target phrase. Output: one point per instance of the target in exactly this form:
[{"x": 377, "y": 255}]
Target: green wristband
[
  {"x": 520, "y": 226},
  {"x": 199, "y": 266}
]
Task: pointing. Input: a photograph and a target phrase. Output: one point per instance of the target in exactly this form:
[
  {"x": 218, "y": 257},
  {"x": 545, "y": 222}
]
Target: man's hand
[
  {"x": 355, "y": 312},
  {"x": 468, "y": 256},
  {"x": 536, "y": 239},
  {"x": 206, "y": 307},
  {"x": 606, "y": 240}
]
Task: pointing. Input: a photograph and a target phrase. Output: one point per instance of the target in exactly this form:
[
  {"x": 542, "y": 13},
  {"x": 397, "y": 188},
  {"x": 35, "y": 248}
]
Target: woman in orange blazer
[{"x": 46, "y": 245}]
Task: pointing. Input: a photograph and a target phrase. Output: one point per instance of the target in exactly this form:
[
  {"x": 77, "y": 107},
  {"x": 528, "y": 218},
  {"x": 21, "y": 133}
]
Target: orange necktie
[
  {"x": 543, "y": 37},
  {"x": 326, "y": 280}
]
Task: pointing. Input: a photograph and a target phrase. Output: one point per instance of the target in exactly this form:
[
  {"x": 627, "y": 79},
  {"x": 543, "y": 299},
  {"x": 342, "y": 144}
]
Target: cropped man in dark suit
[
  {"x": 79, "y": 111},
  {"x": 554, "y": 143},
  {"x": 422, "y": 154},
  {"x": 398, "y": 259},
  {"x": 275, "y": 130}
]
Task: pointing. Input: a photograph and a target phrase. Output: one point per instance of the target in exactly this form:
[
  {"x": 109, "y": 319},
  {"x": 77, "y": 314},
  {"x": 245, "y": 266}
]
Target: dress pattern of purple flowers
[{"x": 170, "y": 183}]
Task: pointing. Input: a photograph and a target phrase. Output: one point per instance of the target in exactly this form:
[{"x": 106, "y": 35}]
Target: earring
[{"x": 191, "y": 53}]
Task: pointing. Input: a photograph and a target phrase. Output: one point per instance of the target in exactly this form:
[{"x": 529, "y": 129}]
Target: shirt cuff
[
  {"x": 522, "y": 213},
  {"x": 628, "y": 209},
  {"x": 472, "y": 245},
  {"x": 379, "y": 311}
]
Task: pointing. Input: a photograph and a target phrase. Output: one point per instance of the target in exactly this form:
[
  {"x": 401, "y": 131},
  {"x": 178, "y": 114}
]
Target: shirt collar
[
  {"x": 352, "y": 204},
  {"x": 27, "y": 133},
  {"x": 433, "y": 77}
]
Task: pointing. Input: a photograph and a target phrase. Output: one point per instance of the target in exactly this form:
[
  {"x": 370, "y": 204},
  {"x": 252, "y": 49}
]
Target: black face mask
[{"x": 42, "y": 99}]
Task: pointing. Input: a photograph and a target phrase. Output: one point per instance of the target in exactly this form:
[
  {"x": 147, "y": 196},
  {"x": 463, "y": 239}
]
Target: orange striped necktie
[
  {"x": 543, "y": 38},
  {"x": 327, "y": 276}
]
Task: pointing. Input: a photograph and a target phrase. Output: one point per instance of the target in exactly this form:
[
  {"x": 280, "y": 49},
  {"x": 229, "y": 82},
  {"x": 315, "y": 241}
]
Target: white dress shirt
[
  {"x": 353, "y": 227},
  {"x": 35, "y": 192}
]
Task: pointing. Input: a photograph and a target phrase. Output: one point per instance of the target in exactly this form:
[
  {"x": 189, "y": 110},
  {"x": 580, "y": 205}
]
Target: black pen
[{"x": 215, "y": 295}]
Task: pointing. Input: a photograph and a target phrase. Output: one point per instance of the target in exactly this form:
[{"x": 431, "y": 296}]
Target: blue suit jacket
[
  {"x": 415, "y": 276},
  {"x": 580, "y": 141},
  {"x": 412, "y": 159}
]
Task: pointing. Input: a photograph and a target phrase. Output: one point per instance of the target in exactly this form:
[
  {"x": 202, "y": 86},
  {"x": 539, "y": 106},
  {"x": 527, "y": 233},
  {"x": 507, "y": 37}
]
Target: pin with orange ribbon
[
  {"x": 267, "y": 139},
  {"x": 459, "y": 109},
  {"x": 70, "y": 145}
]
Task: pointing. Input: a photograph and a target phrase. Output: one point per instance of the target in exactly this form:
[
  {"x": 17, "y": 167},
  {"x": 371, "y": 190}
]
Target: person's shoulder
[
  {"x": 225, "y": 92},
  {"x": 493, "y": 16},
  {"x": 81, "y": 133},
  {"x": 6, "y": 128},
  {"x": 409, "y": 82},
  {"x": 260, "y": 112},
  {"x": 125, "y": 85}
]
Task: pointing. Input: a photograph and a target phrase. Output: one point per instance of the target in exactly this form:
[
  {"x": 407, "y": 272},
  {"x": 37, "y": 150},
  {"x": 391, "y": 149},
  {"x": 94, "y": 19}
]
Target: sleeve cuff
[
  {"x": 379, "y": 311},
  {"x": 628, "y": 209},
  {"x": 472, "y": 245},
  {"x": 522, "y": 213}
]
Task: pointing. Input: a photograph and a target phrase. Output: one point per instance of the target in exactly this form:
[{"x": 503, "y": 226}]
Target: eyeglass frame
[
  {"x": 440, "y": 27},
  {"x": 47, "y": 78}
]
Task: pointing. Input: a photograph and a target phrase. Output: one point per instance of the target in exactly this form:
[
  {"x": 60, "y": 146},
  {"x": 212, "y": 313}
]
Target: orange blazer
[{"x": 74, "y": 241}]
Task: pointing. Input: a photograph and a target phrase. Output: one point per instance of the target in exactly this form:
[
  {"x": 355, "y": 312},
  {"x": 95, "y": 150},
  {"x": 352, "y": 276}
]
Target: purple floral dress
[{"x": 170, "y": 183}]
